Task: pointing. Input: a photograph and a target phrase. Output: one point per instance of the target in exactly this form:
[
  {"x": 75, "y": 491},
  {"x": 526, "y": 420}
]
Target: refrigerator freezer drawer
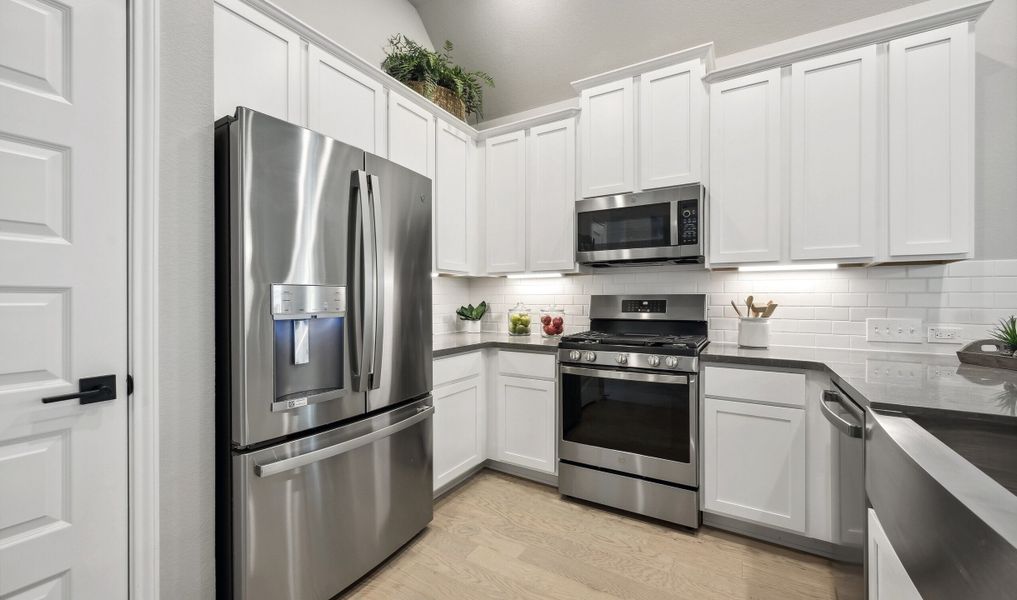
[{"x": 314, "y": 515}]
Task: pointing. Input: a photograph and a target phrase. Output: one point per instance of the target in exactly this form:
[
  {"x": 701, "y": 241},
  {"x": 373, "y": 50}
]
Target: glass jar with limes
[{"x": 519, "y": 320}]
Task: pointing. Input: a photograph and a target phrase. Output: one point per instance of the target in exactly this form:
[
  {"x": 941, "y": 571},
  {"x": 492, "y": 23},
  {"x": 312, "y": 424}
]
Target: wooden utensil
[
  {"x": 748, "y": 303},
  {"x": 735, "y": 306},
  {"x": 770, "y": 307}
]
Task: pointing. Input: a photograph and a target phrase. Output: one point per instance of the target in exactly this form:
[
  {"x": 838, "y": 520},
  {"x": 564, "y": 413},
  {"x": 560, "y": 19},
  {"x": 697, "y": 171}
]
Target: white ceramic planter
[
  {"x": 754, "y": 332},
  {"x": 469, "y": 326}
]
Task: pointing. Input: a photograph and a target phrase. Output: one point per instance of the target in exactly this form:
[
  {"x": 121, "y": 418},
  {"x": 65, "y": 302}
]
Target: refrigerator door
[
  {"x": 400, "y": 357},
  {"x": 313, "y": 515},
  {"x": 286, "y": 191}
]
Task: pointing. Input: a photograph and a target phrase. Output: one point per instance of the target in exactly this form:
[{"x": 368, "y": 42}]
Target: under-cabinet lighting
[
  {"x": 533, "y": 275},
  {"x": 434, "y": 274},
  {"x": 809, "y": 267}
]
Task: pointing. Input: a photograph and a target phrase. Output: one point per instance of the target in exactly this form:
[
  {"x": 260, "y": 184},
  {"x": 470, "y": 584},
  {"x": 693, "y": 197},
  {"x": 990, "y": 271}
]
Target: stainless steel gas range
[{"x": 629, "y": 396}]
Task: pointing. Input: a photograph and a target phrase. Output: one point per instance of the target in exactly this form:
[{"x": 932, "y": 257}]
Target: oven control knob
[
  {"x": 575, "y": 355},
  {"x": 671, "y": 362},
  {"x": 653, "y": 361},
  {"x": 621, "y": 359},
  {"x": 590, "y": 357}
]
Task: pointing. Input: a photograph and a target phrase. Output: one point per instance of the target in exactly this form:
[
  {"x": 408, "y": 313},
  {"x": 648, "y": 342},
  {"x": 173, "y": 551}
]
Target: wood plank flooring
[{"x": 502, "y": 537}]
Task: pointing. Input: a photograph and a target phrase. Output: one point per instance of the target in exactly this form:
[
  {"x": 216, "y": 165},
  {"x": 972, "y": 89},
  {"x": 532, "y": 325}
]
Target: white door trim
[{"x": 143, "y": 298}]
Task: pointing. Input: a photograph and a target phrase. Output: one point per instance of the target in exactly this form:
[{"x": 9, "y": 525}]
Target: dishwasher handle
[
  {"x": 301, "y": 460},
  {"x": 836, "y": 418}
]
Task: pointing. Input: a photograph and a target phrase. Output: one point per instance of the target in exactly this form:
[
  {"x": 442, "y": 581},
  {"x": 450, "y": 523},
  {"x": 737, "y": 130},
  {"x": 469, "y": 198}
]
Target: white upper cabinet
[
  {"x": 608, "y": 140},
  {"x": 551, "y": 196},
  {"x": 505, "y": 194},
  {"x": 452, "y": 202},
  {"x": 931, "y": 142},
  {"x": 344, "y": 103},
  {"x": 670, "y": 125},
  {"x": 834, "y": 156},
  {"x": 745, "y": 167},
  {"x": 410, "y": 135},
  {"x": 256, "y": 63}
]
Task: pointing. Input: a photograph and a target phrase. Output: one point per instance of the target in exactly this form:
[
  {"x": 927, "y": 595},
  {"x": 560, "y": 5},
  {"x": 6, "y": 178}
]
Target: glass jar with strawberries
[{"x": 552, "y": 322}]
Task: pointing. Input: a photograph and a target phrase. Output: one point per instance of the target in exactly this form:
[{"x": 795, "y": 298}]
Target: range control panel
[
  {"x": 644, "y": 306},
  {"x": 688, "y": 222}
]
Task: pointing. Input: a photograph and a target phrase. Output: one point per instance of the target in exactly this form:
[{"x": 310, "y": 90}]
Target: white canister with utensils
[{"x": 754, "y": 332}]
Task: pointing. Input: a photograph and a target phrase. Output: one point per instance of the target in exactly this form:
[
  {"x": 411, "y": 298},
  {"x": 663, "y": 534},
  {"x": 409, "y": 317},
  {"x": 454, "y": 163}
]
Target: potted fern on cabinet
[{"x": 433, "y": 75}]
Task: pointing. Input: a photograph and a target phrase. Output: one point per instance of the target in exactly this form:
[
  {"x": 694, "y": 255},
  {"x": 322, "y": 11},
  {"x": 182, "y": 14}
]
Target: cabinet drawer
[
  {"x": 455, "y": 368},
  {"x": 526, "y": 364},
  {"x": 772, "y": 387}
]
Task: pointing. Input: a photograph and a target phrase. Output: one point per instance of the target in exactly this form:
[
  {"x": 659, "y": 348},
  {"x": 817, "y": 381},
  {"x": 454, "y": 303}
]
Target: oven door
[{"x": 638, "y": 423}]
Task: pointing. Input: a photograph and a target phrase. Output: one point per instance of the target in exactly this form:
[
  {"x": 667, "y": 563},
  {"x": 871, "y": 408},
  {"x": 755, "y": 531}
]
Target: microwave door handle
[
  {"x": 675, "y": 230},
  {"x": 378, "y": 333},
  {"x": 356, "y": 293}
]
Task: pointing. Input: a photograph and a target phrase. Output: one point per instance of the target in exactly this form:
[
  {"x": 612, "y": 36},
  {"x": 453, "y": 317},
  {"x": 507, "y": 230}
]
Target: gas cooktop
[{"x": 693, "y": 343}]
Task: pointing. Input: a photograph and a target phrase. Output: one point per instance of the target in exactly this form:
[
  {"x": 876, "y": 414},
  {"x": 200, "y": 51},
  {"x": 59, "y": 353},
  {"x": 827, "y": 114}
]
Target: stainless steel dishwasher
[{"x": 848, "y": 420}]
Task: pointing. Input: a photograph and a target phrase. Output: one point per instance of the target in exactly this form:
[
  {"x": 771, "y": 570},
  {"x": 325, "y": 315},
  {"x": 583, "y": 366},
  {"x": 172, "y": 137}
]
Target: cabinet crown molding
[
  {"x": 863, "y": 32},
  {"x": 702, "y": 52},
  {"x": 542, "y": 119}
]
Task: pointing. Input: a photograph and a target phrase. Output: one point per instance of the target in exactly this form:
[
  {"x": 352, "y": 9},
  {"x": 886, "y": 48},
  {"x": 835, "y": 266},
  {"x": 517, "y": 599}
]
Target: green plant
[
  {"x": 408, "y": 61},
  {"x": 472, "y": 313},
  {"x": 1006, "y": 333}
]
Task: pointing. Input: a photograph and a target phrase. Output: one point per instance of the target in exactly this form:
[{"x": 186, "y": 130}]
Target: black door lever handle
[{"x": 90, "y": 389}]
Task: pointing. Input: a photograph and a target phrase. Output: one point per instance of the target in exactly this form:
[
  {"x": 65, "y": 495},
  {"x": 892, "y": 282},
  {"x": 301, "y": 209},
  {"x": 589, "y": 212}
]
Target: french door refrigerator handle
[
  {"x": 361, "y": 292},
  {"x": 302, "y": 460},
  {"x": 378, "y": 333}
]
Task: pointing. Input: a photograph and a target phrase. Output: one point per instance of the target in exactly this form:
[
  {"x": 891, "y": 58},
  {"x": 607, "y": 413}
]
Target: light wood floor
[{"x": 502, "y": 537}]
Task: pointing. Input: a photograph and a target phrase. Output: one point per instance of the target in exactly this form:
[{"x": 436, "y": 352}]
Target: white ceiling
[{"x": 534, "y": 48}]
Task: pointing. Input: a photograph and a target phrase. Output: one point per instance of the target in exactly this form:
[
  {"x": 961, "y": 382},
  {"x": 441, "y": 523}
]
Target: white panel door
[
  {"x": 888, "y": 580},
  {"x": 344, "y": 103},
  {"x": 670, "y": 125},
  {"x": 526, "y": 423},
  {"x": 410, "y": 135},
  {"x": 460, "y": 425},
  {"x": 551, "y": 197},
  {"x": 834, "y": 156},
  {"x": 931, "y": 142},
  {"x": 745, "y": 166},
  {"x": 452, "y": 206},
  {"x": 754, "y": 463},
  {"x": 63, "y": 298},
  {"x": 505, "y": 197},
  {"x": 256, "y": 63},
  {"x": 608, "y": 141}
]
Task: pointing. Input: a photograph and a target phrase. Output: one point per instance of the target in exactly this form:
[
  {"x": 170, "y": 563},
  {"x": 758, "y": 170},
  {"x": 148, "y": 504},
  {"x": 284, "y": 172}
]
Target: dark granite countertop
[{"x": 456, "y": 343}]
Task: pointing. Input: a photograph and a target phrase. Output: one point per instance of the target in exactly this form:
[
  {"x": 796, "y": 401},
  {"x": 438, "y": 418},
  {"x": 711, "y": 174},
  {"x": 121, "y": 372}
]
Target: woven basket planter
[{"x": 443, "y": 97}]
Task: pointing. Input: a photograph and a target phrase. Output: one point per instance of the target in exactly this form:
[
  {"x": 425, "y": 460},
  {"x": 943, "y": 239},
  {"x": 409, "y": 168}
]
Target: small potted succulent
[
  {"x": 469, "y": 317},
  {"x": 1000, "y": 351},
  {"x": 1006, "y": 334}
]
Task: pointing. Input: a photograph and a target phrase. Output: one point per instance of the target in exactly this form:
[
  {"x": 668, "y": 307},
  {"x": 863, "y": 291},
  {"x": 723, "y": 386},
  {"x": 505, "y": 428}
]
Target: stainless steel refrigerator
[{"x": 323, "y": 359}]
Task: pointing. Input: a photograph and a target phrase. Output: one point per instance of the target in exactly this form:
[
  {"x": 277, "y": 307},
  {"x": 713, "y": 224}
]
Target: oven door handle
[{"x": 626, "y": 375}]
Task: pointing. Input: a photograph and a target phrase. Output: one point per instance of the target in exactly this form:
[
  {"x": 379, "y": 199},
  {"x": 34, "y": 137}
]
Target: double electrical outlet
[{"x": 909, "y": 331}]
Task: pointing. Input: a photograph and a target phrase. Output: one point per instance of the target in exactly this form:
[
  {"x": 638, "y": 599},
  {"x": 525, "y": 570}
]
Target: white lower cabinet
[
  {"x": 888, "y": 580},
  {"x": 460, "y": 416},
  {"x": 755, "y": 463},
  {"x": 524, "y": 411}
]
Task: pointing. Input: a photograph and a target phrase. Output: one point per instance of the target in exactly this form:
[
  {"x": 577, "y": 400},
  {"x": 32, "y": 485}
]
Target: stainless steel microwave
[{"x": 659, "y": 226}]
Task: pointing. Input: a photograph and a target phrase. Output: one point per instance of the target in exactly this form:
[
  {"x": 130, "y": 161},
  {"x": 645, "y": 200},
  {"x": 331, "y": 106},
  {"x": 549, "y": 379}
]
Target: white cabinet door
[
  {"x": 551, "y": 197},
  {"x": 745, "y": 166},
  {"x": 63, "y": 299},
  {"x": 256, "y": 63},
  {"x": 670, "y": 125},
  {"x": 505, "y": 197},
  {"x": 754, "y": 463},
  {"x": 931, "y": 142},
  {"x": 452, "y": 218},
  {"x": 460, "y": 427},
  {"x": 834, "y": 156},
  {"x": 608, "y": 143},
  {"x": 888, "y": 580},
  {"x": 525, "y": 422},
  {"x": 344, "y": 103},
  {"x": 410, "y": 135}
]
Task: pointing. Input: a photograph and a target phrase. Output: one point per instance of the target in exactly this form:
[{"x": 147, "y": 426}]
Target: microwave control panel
[{"x": 688, "y": 222}]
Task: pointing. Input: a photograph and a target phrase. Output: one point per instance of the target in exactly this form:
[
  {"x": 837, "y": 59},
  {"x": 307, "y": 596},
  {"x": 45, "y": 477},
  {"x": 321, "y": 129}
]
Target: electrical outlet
[
  {"x": 907, "y": 331},
  {"x": 944, "y": 335},
  {"x": 883, "y": 371},
  {"x": 941, "y": 373}
]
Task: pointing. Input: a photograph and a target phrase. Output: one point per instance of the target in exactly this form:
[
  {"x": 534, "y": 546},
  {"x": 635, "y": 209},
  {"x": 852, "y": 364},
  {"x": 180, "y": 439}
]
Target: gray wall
[
  {"x": 186, "y": 346},
  {"x": 996, "y": 132},
  {"x": 362, "y": 26}
]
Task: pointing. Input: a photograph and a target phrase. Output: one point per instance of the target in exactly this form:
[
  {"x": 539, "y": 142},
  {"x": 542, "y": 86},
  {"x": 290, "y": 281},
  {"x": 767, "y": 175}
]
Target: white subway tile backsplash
[
  {"x": 868, "y": 285},
  {"x": 906, "y": 285},
  {"x": 887, "y": 300}
]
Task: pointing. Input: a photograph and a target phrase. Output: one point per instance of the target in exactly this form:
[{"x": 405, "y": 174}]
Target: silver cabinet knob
[
  {"x": 671, "y": 362},
  {"x": 621, "y": 359},
  {"x": 590, "y": 357},
  {"x": 653, "y": 360},
  {"x": 575, "y": 355}
]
